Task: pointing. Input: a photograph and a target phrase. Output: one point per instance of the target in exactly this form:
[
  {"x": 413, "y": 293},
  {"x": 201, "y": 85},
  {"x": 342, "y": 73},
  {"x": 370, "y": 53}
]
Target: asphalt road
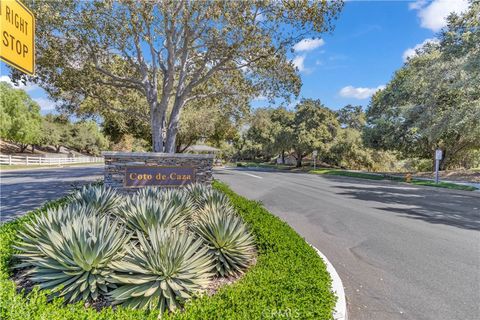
[
  {"x": 402, "y": 251},
  {"x": 24, "y": 190}
]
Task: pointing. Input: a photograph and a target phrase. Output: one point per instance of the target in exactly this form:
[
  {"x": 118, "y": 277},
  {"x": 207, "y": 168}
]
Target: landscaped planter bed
[{"x": 288, "y": 280}]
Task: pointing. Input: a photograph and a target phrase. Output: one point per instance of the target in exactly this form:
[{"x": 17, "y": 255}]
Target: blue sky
[{"x": 370, "y": 42}]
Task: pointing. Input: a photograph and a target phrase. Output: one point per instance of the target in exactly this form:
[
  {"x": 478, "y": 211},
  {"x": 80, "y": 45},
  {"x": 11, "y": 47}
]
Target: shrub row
[{"x": 289, "y": 280}]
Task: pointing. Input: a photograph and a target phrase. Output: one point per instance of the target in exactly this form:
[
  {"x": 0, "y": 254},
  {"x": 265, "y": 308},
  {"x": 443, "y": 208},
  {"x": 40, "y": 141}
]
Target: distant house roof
[{"x": 202, "y": 148}]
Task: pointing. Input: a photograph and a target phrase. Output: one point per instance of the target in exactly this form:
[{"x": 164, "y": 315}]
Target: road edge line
[{"x": 340, "y": 312}]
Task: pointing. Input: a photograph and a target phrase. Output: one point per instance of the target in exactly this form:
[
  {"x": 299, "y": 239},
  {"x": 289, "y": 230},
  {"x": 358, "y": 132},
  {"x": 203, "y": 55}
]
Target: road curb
[{"x": 340, "y": 312}]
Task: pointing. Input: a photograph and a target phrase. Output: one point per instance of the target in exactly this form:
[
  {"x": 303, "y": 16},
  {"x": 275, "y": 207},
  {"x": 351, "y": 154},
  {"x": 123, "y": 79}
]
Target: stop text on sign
[
  {"x": 141, "y": 176},
  {"x": 17, "y": 35}
]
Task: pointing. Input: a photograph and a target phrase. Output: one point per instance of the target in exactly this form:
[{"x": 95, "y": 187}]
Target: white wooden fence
[{"x": 31, "y": 160}]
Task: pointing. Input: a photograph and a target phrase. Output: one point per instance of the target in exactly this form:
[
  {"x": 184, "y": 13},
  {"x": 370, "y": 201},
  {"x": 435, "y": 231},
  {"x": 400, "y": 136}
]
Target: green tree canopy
[
  {"x": 352, "y": 117},
  {"x": 20, "y": 116},
  {"x": 348, "y": 151},
  {"x": 261, "y": 133},
  {"x": 170, "y": 51},
  {"x": 56, "y": 131},
  {"x": 433, "y": 101},
  {"x": 87, "y": 137},
  {"x": 282, "y": 131},
  {"x": 314, "y": 126}
]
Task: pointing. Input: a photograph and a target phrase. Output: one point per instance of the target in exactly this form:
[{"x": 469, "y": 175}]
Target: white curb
[{"x": 340, "y": 312}]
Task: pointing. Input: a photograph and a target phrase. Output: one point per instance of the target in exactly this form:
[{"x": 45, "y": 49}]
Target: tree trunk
[
  {"x": 33, "y": 148},
  {"x": 283, "y": 156},
  {"x": 23, "y": 147},
  {"x": 157, "y": 126},
  {"x": 299, "y": 161},
  {"x": 57, "y": 148},
  {"x": 173, "y": 125},
  {"x": 171, "y": 137}
]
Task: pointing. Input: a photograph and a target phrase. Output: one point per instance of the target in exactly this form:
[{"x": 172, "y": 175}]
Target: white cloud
[
  {"x": 298, "y": 62},
  {"x": 433, "y": 14},
  {"x": 45, "y": 104},
  {"x": 417, "y": 5},
  {"x": 411, "y": 52},
  {"x": 6, "y": 79},
  {"x": 308, "y": 44},
  {"x": 359, "y": 92},
  {"x": 28, "y": 87}
]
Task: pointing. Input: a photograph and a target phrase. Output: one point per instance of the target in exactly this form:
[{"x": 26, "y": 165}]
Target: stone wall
[{"x": 117, "y": 162}]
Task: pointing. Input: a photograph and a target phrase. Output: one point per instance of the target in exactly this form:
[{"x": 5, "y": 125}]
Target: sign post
[
  {"x": 17, "y": 33},
  {"x": 438, "y": 157},
  {"x": 314, "y": 154}
]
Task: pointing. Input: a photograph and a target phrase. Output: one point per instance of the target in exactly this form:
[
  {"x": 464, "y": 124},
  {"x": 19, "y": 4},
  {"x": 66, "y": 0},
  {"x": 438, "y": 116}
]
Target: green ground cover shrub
[{"x": 288, "y": 279}]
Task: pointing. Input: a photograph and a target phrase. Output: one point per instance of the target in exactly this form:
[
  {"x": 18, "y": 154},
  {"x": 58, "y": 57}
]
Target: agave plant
[
  {"x": 74, "y": 261},
  {"x": 197, "y": 192},
  {"x": 150, "y": 192},
  {"x": 36, "y": 229},
  {"x": 179, "y": 197},
  {"x": 203, "y": 195},
  {"x": 161, "y": 271},
  {"x": 229, "y": 241},
  {"x": 142, "y": 213},
  {"x": 105, "y": 200},
  {"x": 211, "y": 208}
]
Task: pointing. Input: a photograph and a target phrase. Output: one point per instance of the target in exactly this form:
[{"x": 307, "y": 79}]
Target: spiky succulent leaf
[
  {"x": 74, "y": 260},
  {"x": 196, "y": 192},
  {"x": 203, "y": 195},
  {"x": 105, "y": 200},
  {"x": 211, "y": 209},
  {"x": 161, "y": 271},
  {"x": 150, "y": 192},
  {"x": 229, "y": 240},
  {"x": 178, "y": 197},
  {"x": 36, "y": 229},
  {"x": 164, "y": 209}
]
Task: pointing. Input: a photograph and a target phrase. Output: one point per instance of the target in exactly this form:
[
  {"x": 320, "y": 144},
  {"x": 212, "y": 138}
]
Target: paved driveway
[{"x": 22, "y": 191}]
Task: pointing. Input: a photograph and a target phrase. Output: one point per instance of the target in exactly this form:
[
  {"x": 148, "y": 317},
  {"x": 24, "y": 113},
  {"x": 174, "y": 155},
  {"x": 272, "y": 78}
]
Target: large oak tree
[{"x": 169, "y": 51}]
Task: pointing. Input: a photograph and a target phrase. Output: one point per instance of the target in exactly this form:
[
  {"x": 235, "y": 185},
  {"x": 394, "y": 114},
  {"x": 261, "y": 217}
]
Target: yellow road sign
[{"x": 17, "y": 35}]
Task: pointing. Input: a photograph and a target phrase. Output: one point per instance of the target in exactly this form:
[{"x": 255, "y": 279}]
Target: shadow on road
[
  {"x": 434, "y": 205},
  {"x": 453, "y": 208}
]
